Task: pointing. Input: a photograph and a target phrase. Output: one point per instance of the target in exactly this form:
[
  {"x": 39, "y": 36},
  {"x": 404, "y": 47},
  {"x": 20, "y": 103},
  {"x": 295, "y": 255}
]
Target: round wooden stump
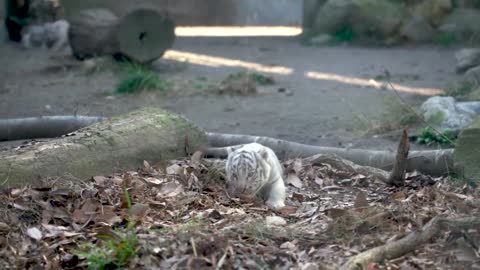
[{"x": 144, "y": 35}]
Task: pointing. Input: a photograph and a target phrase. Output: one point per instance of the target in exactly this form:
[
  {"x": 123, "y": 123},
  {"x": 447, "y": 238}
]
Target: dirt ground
[{"x": 330, "y": 109}]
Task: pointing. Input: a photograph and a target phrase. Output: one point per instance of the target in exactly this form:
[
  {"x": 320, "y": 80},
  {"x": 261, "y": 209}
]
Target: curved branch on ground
[
  {"x": 410, "y": 242},
  {"x": 432, "y": 162}
]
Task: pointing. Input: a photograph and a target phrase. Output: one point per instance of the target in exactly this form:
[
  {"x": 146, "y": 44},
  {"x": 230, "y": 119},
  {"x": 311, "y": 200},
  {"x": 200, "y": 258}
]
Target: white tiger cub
[{"x": 254, "y": 169}]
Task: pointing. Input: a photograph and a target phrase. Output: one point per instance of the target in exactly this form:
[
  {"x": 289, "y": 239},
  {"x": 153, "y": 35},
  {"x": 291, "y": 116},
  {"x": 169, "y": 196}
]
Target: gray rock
[
  {"x": 462, "y": 22},
  {"x": 376, "y": 16},
  {"x": 467, "y": 58},
  {"x": 446, "y": 113},
  {"x": 310, "y": 9},
  {"x": 473, "y": 75},
  {"x": 321, "y": 39},
  {"x": 418, "y": 29},
  {"x": 332, "y": 16}
]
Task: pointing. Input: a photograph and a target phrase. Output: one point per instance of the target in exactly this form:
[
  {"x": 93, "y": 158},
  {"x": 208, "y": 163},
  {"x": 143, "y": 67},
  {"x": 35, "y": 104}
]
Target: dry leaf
[
  {"x": 107, "y": 215},
  {"x": 293, "y": 180},
  {"x": 175, "y": 170},
  {"x": 4, "y": 228},
  {"x": 100, "y": 180},
  {"x": 287, "y": 210},
  {"x": 196, "y": 159},
  {"x": 319, "y": 181},
  {"x": 398, "y": 196},
  {"x": 147, "y": 166},
  {"x": 361, "y": 201},
  {"x": 336, "y": 212},
  {"x": 170, "y": 189},
  {"x": 139, "y": 210}
]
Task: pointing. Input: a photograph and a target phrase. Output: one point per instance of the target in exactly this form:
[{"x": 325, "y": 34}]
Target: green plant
[
  {"x": 461, "y": 180},
  {"x": 261, "y": 79},
  {"x": 115, "y": 252},
  {"x": 114, "y": 248},
  {"x": 256, "y": 230},
  {"x": 445, "y": 39},
  {"x": 344, "y": 34},
  {"x": 436, "y": 118},
  {"x": 461, "y": 89},
  {"x": 139, "y": 78},
  {"x": 258, "y": 78},
  {"x": 429, "y": 136}
]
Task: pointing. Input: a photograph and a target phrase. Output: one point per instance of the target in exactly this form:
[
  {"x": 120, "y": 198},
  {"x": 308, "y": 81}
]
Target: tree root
[
  {"x": 432, "y": 162},
  {"x": 43, "y": 126}
]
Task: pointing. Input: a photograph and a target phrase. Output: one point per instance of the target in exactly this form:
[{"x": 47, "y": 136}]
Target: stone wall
[
  {"x": 206, "y": 12},
  {"x": 439, "y": 21}
]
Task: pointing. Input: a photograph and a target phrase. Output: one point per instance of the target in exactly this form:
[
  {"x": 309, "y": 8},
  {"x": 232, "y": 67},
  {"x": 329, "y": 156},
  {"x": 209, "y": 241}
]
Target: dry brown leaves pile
[{"x": 182, "y": 218}]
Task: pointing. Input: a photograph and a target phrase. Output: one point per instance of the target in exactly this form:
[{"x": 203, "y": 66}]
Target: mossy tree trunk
[{"x": 123, "y": 142}]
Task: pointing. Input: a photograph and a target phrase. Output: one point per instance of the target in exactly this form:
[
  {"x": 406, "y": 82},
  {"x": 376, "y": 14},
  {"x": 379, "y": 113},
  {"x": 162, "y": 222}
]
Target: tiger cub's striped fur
[{"x": 254, "y": 169}]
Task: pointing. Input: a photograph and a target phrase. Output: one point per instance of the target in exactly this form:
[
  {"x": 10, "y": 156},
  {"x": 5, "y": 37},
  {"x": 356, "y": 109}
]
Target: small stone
[
  {"x": 275, "y": 221},
  {"x": 321, "y": 39}
]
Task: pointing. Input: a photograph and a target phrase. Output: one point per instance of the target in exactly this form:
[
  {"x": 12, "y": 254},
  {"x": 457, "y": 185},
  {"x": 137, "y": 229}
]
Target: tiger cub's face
[{"x": 245, "y": 172}]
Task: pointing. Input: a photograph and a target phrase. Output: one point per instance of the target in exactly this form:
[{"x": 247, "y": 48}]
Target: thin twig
[{"x": 194, "y": 247}]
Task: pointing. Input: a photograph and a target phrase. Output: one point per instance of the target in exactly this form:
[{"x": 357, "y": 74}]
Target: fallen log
[
  {"x": 122, "y": 142},
  {"x": 432, "y": 162},
  {"x": 43, "y": 126},
  {"x": 92, "y": 33},
  {"x": 142, "y": 35}
]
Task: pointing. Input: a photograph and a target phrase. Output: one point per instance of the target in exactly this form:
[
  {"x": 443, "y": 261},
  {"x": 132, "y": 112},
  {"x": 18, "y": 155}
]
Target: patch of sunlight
[
  {"x": 213, "y": 61},
  {"x": 237, "y": 31},
  {"x": 373, "y": 83}
]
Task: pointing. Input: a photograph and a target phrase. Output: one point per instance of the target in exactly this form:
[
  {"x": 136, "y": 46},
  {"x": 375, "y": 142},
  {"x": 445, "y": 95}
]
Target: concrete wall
[
  {"x": 3, "y": 31},
  {"x": 207, "y": 12},
  {"x": 268, "y": 12}
]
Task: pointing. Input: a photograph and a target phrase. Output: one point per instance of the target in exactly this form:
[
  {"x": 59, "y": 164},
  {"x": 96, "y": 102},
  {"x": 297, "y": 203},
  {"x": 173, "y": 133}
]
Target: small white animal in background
[
  {"x": 254, "y": 169},
  {"x": 52, "y": 35}
]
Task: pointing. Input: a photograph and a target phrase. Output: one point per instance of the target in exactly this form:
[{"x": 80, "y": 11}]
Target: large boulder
[
  {"x": 445, "y": 113},
  {"x": 463, "y": 23},
  {"x": 467, "y": 58},
  {"x": 474, "y": 95},
  {"x": 418, "y": 29},
  {"x": 332, "y": 16},
  {"x": 473, "y": 75},
  {"x": 434, "y": 11},
  {"x": 310, "y": 8},
  {"x": 376, "y": 17}
]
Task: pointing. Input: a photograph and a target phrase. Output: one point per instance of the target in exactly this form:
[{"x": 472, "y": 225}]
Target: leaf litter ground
[{"x": 178, "y": 216}]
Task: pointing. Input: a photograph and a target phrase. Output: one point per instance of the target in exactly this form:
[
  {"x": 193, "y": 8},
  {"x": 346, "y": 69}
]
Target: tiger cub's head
[{"x": 245, "y": 171}]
